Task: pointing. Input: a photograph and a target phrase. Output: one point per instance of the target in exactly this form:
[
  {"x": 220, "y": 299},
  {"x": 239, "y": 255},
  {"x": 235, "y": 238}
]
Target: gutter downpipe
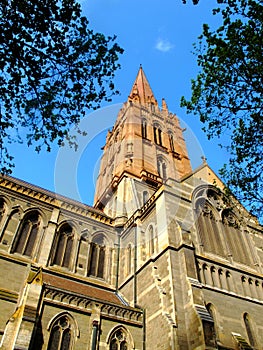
[
  {"x": 135, "y": 267},
  {"x": 95, "y": 326}
]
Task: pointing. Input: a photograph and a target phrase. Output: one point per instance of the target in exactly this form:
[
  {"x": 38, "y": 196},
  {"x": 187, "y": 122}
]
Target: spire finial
[{"x": 204, "y": 159}]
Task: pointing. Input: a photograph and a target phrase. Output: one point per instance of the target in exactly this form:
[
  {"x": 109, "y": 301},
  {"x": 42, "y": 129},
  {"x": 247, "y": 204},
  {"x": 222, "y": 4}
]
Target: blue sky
[{"x": 160, "y": 36}]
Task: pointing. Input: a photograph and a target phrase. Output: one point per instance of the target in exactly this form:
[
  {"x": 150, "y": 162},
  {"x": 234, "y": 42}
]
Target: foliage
[
  {"x": 227, "y": 94},
  {"x": 52, "y": 67},
  {"x": 195, "y": 2}
]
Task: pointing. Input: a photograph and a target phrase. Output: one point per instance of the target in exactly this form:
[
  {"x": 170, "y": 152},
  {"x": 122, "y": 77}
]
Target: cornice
[
  {"x": 85, "y": 304},
  {"x": 52, "y": 199}
]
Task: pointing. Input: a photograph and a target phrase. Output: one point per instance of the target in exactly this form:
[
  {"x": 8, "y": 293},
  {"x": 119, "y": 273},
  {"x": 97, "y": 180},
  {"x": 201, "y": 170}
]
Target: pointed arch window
[
  {"x": 157, "y": 134},
  {"x": 120, "y": 340},
  {"x": 209, "y": 326},
  {"x": 64, "y": 246},
  {"x": 208, "y": 226},
  {"x": 171, "y": 140},
  {"x": 61, "y": 334},
  {"x": 27, "y": 234},
  {"x": 97, "y": 257},
  {"x": 145, "y": 196},
  {"x": 235, "y": 238},
  {"x": 249, "y": 330},
  {"x": 152, "y": 240},
  {"x": 162, "y": 169},
  {"x": 144, "y": 129}
]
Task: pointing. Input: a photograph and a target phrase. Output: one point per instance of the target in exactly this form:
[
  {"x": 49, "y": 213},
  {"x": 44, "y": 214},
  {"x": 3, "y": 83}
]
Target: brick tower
[{"x": 144, "y": 149}]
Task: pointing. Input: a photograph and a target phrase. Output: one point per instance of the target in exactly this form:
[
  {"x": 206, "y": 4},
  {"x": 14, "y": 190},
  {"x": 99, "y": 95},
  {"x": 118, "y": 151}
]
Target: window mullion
[{"x": 29, "y": 223}]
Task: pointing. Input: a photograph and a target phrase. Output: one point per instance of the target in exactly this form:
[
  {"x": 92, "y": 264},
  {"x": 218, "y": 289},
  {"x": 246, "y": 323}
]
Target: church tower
[
  {"x": 171, "y": 264},
  {"x": 144, "y": 149}
]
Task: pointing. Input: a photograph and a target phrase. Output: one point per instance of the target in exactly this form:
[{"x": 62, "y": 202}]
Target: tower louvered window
[
  {"x": 157, "y": 134},
  {"x": 162, "y": 169},
  {"x": 144, "y": 129},
  {"x": 171, "y": 141}
]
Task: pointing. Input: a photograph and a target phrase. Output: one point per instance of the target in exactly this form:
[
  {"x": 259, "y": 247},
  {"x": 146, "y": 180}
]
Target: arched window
[
  {"x": 171, "y": 140},
  {"x": 210, "y": 326},
  {"x": 157, "y": 134},
  {"x": 235, "y": 238},
  {"x": 249, "y": 330},
  {"x": 97, "y": 256},
  {"x": 27, "y": 234},
  {"x": 61, "y": 334},
  {"x": 120, "y": 340},
  {"x": 145, "y": 196},
  {"x": 2, "y": 209},
  {"x": 64, "y": 245},
  {"x": 152, "y": 240},
  {"x": 144, "y": 129},
  {"x": 208, "y": 227},
  {"x": 161, "y": 167}
]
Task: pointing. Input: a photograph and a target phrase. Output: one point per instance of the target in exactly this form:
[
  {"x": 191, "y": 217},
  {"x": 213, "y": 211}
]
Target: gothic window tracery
[
  {"x": 119, "y": 340},
  {"x": 64, "y": 246},
  {"x": 61, "y": 334},
  {"x": 27, "y": 234},
  {"x": 236, "y": 239},
  {"x": 208, "y": 226},
  {"x": 220, "y": 231}
]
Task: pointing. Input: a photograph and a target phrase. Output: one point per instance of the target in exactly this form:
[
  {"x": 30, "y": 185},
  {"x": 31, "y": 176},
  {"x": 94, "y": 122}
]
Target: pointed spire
[{"x": 141, "y": 91}]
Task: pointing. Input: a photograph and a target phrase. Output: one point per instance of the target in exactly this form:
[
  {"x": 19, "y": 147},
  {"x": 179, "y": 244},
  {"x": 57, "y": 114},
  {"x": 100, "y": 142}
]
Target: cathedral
[{"x": 163, "y": 260}]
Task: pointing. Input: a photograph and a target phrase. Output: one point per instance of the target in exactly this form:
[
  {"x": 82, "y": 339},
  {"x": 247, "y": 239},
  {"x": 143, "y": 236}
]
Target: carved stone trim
[
  {"x": 81, "y": 302},
  {"x": 53, "y": 199}
]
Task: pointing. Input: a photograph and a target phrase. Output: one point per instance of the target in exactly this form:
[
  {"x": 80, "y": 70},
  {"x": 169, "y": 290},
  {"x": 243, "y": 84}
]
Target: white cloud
[{"x": 163, "y": 45}]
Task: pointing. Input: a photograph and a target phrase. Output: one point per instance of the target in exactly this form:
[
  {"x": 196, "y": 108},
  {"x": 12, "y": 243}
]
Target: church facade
[{"x": 163, "y": 260}]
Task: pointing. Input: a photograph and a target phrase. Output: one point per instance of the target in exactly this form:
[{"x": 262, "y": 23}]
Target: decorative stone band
[{"x": 85, "y": 303}]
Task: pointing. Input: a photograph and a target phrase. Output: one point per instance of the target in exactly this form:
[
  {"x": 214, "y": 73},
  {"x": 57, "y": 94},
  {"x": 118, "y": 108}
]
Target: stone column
[
  {"x": 20, "y": 327},
  {"x": 48, "y": 237}
]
